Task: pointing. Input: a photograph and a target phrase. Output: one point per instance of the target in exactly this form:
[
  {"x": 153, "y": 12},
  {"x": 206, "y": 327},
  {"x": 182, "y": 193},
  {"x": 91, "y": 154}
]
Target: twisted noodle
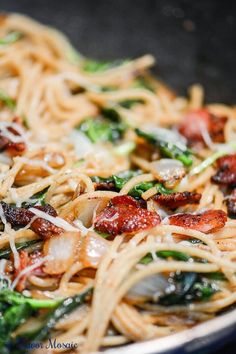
[{"x": 53, "y": 94}]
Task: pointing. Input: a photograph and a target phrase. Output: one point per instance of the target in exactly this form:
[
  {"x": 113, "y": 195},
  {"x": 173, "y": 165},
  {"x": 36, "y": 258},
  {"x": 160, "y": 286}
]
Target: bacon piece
[
  {"x": 124, "y": 214},
  {"x": 20, "y": 217},
  {"x": 231, "y": 205},
  {"x": 198, "y": 120},
  {"x": 226, "y": 173},
  {"x": 12, "y": 148},
  {"x": 25, "y": 261},
  {"x": 176, "y": 200},
  {"x": 207, "y": 222},
  {"x": 104, "y": 186}
]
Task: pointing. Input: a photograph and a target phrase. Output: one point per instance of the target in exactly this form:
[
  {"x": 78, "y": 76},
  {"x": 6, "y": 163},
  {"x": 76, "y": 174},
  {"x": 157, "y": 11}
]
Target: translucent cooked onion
[
  {"x": 168, "y": 171},
  {"x": 151, "y": 287},
  {"x": 88, "y": 208},
  {"x": 169, "y": 135},
  {"x": 81, "y": 142},
  {"x": 92, "y": 249},
  {"x": 63, "y": 251}
]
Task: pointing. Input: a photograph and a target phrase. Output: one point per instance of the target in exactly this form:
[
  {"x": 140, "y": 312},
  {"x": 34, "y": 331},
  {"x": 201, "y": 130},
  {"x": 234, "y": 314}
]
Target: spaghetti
[{"x": 117, "y": 197}]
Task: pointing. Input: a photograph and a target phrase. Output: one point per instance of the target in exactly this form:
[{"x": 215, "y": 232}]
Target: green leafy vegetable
[
  {"x": 143, "y": 82},
  {"x": 165, "y": 254},
  {"x": 15, "y": 298},
  {"x": 93, "y": 66},
  {"x": 15, "y": 309},
  {"x": 215, "y": 276},
  {"x": 122, "y": 178},
  {"x": 11, "y": 38},
  {"x": 162, "y": 189},
  {"x": 125, "y": 148},
  {"x": 8, "y": 101},
  {"x": 226, "y": 149},
  {"x": 64, "y": 308},
  {"x": 129, "y": 103},
  {"x": 168, "y": 149},
  {"x": 5, "y": 253},
  {"x": 98, "y": 130}
]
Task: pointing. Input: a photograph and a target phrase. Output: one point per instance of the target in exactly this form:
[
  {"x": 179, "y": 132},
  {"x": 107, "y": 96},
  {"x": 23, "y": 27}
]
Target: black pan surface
[{"x": 193, "y": 41}]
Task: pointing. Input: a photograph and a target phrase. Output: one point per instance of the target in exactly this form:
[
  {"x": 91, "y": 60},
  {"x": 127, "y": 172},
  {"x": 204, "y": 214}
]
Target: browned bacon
[
  {"x": 226, "y": 173},
  {"x": 207, "y": 222},
  {"x": 124, "y": 214},
  {"x": 12, "y": 148},
  {"x": 176, "y": 200},
  {"x": 198, "y": 120},
  {"x": 231, "y": 205},
  {"x": 20, "y": 217}
]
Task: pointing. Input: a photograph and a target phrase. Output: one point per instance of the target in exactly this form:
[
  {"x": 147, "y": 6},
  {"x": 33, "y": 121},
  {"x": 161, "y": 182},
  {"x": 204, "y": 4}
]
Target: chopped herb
[
  {"x": 93, "y": 66},
  {"x": 11, "y": 38},
  {"x": 7, "y": 100},
  {"x": 167, "y": 148}
]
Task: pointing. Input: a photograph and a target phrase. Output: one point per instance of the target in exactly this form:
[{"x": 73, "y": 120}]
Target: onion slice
[{"x": 63, "y": 252}]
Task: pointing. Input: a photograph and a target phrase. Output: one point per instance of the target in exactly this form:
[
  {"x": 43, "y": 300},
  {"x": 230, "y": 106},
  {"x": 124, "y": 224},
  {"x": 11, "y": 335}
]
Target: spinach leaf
[
  {"x": 167, "y": 148},
  {"x": 14, "y": 298},
  {"x": 15, "y": 309},
  {"x": 8, "y": 101},
  {"x": 10, "y": 38},
  {"x": 165, "y": 254},
  {"x": 64, "y": 308},
  {"x": 188, "y": 287},
  {"x": 122, "y": 178},
  {"x": 94, "y": 66},
  {"x": 129, "y": 103},
  {"x": 98, "y": 129}
]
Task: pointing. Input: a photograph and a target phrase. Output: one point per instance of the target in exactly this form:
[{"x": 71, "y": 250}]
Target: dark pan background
[{"x": 193, "y": 41}]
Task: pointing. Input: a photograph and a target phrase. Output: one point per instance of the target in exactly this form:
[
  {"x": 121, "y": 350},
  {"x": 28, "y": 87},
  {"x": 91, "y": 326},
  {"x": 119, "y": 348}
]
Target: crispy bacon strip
[
  {"x": 124, "y": 214},
  {"x": 198, "y": 120},
  {"x": 12, "y": 148},
  {"x": 226, "y": 173},
  {"x": 207, "y": 222},
  {"x": 176, "y": 200},
  {"x": 20, "y": 217},
  {"x": 231, "y": 205}
]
